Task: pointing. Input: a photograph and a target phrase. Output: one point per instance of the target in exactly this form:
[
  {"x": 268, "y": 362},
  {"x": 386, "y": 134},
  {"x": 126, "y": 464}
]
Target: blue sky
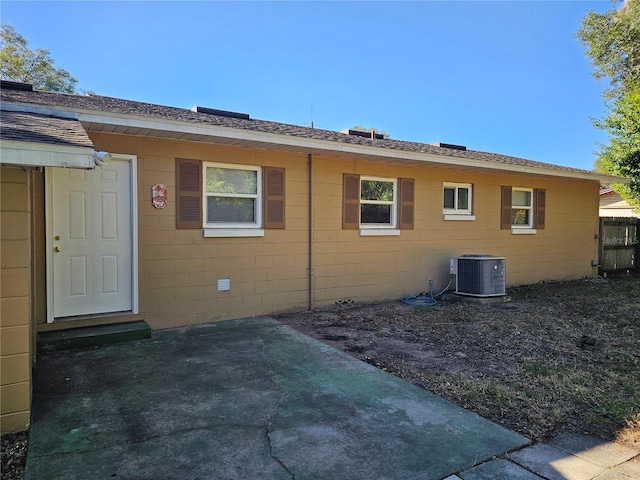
[{"x": 506, "y": 77}]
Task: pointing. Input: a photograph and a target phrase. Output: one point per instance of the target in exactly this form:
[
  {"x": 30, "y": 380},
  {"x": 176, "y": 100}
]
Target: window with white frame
[
  {"x": 232, "y": 196},
  {"x": 378, "y": 202},
  {"x": 522, "y": 208},
  {"x": 457, "y": 198}
]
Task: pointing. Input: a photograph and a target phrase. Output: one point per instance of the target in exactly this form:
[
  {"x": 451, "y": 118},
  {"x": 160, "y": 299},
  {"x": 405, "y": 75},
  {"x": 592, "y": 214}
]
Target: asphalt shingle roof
[
  {"x": 38, "y": 128},
  {"x": 96, "y": 103}
]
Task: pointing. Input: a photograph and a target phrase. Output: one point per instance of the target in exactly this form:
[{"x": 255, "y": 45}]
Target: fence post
[{"x": 600, "y": 247}]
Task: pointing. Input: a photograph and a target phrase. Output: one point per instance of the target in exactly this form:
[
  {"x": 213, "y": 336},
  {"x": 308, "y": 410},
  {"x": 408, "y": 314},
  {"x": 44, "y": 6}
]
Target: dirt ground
[
  {"x": 553, "y": 357},
  {"x": 14, "y": 456}
]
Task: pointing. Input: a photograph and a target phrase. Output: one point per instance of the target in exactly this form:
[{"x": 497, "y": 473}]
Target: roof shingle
[
  {"x": 103, "y": 104},
  {"x": 38, "y": 128}
]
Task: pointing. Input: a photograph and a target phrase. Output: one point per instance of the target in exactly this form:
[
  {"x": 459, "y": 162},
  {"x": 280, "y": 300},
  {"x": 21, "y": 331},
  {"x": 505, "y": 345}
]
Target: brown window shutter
[
  {"x": 505, "y": 215},
  {"x": 273, "y": 179},
  {"x": 350, "y": 201},
  {"x": 406, "y": 203},
  {"x": 188, "y": 193},
  {"x": 540, "y": 200}
]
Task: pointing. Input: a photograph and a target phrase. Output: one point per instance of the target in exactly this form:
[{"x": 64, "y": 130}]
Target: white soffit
[{"x": 31, "y": 154}]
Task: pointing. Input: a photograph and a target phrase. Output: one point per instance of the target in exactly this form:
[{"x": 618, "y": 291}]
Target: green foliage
[
  {"x": 612, "y": 42},
  {"x": 622, "y": 155},
  {"x": 231, "y": 180},
  {"x": 18, "y": 63},
  {"x": 376, "y": 190}
]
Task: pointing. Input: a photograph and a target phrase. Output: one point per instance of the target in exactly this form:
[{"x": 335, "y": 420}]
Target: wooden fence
[{"x": 619, "y": 245}]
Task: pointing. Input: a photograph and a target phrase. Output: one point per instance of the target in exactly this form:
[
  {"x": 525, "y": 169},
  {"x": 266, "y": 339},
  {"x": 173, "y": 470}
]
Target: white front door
[{"x": 90, "y": 240}]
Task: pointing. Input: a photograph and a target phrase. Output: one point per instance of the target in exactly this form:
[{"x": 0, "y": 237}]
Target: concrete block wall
[
  {"x": 15, "y": 337},
  {"x": 179, "y": 269}
]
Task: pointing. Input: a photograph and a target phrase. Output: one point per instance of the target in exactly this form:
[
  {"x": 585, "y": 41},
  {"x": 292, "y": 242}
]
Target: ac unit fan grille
[{"x": 481, "y": 276}]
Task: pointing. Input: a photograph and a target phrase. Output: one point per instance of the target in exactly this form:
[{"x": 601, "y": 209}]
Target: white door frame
[{"x": 133, "y": 170}]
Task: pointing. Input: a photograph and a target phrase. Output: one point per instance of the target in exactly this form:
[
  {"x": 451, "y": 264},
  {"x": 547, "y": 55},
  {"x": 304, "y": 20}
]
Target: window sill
[
  {"x": 379, "y": 232},
  {"x": 233, "y": 232},
  {"x": 523, "y": 231},
  {"x": 452, "y": 216}
]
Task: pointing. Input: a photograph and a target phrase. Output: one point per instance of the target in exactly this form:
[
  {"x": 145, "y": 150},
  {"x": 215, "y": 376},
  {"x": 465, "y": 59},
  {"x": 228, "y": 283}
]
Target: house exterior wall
[
  {"x": 393, "y": 266},
  {"x": 179, "y": 269},
  {"x": 15, "y": 300},
  {"x": 613, "y": 205}
]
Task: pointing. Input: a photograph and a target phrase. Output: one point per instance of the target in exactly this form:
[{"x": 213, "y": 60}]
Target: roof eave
[
  {"x": 182, "y": 130},
  {"x": 252, "y": 138}
]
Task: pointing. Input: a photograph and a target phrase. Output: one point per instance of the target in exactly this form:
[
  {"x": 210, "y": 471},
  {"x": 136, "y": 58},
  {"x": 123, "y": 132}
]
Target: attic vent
[
  {"x": 449, "y": 145},
  {"x": 8, "y": 85},
  {"x": 221, "y": 113},
  {"x": 363, "y": 134}
]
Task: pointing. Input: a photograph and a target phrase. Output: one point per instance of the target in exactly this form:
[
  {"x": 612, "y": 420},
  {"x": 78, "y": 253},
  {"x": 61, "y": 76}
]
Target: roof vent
[
  {"x": 220, "y": 113},
  {"x": 449, "y": 145},
  {"x": 360, "y": 133},
  {"x": 9, "y": 85}
]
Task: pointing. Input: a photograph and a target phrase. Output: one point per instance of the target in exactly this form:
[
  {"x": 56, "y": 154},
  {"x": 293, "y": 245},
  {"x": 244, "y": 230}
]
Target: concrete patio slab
[
  {"x": 499, "y": 469},
  {"x": 243, "y": 399},
  {"x": 629, "y": 469},
  {"x": 555, "y": 464},
  {"x": 594, "y": 450}
]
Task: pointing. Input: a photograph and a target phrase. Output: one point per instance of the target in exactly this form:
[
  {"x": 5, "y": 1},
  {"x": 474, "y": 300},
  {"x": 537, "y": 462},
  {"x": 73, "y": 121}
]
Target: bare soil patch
[{"x": 559, "y": 356}]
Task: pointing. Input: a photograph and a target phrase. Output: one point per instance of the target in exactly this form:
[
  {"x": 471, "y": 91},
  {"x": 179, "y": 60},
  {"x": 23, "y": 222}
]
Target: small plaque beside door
[{"x": 159, "y": 195}]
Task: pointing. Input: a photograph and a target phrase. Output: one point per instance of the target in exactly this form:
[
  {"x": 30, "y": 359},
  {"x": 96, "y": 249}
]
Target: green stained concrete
[
  {"x": 92, "y": 336},
  {"x": 245, "y": 399}
]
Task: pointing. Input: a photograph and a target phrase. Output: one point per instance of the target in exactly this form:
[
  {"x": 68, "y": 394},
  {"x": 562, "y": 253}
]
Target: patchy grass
[{"x": 558, "y": 356}]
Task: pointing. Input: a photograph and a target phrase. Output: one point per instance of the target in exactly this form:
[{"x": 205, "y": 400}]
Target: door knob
[{"x": 57, "y": 249}]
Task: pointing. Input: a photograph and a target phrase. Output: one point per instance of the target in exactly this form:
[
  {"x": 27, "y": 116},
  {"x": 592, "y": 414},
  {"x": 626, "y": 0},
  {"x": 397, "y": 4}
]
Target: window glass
[
  {"x": 521, "y": 211},
  {"x": 521, "y": 198},
  {"x": 463, "y": 199},
  {"x": 375, "y": 214},
  {"x": 450, "y": 198},
  {"x": 232, "y": 196},
  {"x": 377, "y": 202},
  {"x": 376, "y": 190},
  {"x": 231, "y": 180},
  {"x": 230, "y": 210},
  {"x": 520, "y": 216},
  {"x": 457, "y": 198}
]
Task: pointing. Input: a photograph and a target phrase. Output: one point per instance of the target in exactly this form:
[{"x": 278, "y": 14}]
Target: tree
[
  {"x": 612, "y": 42},
  {"x": 18, "y": 63}
]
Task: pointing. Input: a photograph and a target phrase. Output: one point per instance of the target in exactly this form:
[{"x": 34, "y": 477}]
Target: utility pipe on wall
[{"x": 311, "y": 286}]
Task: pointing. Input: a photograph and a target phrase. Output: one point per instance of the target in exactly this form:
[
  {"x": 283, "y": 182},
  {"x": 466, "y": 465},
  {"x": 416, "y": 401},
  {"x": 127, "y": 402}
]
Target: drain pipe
[{"x": 310, "y": 167}]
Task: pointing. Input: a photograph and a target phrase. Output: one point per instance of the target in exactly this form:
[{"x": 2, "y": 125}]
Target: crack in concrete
[
  {"x": 273, "y": 455},
  {"x": 268, "y": 430}
]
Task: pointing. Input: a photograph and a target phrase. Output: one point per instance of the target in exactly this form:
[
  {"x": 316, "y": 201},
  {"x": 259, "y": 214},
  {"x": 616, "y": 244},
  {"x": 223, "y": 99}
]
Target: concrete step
[{"x": 91, "y": 336}]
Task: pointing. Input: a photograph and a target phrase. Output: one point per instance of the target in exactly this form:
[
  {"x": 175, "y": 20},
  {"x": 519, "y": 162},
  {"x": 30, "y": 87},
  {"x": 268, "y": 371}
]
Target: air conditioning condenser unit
[{"x": 479, "y": 275}]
